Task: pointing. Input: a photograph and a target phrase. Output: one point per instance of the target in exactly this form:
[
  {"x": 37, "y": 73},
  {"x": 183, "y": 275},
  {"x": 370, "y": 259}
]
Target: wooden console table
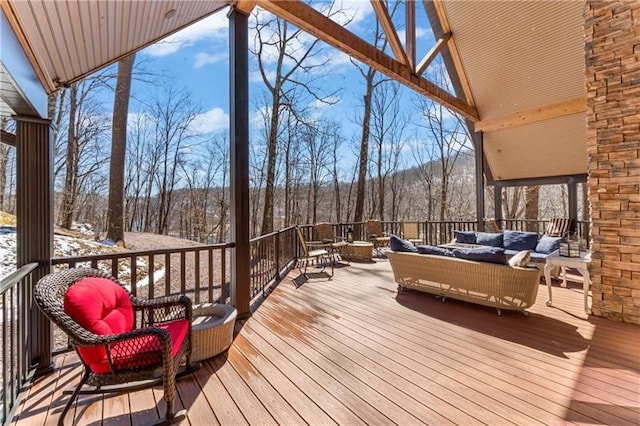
[{"x": 580, "y": 263}]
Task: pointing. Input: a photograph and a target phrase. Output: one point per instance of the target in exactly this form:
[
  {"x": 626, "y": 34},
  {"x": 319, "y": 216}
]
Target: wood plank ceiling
[{"x": 520, "y": 64}]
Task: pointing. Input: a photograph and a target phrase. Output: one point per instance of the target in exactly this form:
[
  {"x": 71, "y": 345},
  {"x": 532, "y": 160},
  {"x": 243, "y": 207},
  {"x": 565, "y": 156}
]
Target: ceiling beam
[
  {"x": 533, "y": 115},
  {"x": 410, "y": 33},
  {"x": 455, "y": 56},
  {"x": 390, "y": 31},
  {"x": 245, "y": 6},
  {"x": 318, "y": 25},
  {"x": 431, "y": 55}
]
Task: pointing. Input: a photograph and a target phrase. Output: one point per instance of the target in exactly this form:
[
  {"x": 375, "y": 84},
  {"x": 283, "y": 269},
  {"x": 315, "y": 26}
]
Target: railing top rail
[
  {"x": 124, "y": 254},
  {"x": 16, "y": 276},
  {"x": 279, "y": 231}
]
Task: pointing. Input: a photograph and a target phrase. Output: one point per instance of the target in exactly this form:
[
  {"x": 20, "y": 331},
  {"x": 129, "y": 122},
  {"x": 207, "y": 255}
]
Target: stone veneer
[{"x": 612, "y": 58}]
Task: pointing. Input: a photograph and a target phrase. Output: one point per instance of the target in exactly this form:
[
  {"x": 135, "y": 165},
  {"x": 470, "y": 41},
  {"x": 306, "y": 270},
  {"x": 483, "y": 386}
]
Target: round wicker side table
[
  {"x": 360, "y": 251},
  {"x": 212, "y": 329}
]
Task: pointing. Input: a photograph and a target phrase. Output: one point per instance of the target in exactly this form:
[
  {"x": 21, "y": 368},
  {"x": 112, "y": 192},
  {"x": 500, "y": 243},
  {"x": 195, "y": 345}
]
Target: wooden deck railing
[
  {"x": 441, "y": 232},
  {"x": 201, "y": 272},
  {"x": 15, "y": 294},
  {"x": 154, "y": 273},
  {"x": 271, "y": 255}
]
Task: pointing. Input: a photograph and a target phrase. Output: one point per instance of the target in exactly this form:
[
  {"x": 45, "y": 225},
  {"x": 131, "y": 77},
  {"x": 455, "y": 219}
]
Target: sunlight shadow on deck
[{"x": 535, "y": 331}]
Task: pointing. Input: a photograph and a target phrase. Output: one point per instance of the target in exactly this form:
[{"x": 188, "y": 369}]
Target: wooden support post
[
  {"x": 479, "y": 156},
  {"x": 34, "y": 214},
  {"x": 497, "y": 205},
  {"x": 239, "y": 156}
]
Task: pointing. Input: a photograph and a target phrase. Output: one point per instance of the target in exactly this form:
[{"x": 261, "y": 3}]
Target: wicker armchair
[{"x": 100, "y": 315}]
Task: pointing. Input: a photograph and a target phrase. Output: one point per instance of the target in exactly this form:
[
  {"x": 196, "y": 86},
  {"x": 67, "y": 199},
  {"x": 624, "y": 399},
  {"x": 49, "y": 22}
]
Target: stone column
[{"x": 612, "y": 74}]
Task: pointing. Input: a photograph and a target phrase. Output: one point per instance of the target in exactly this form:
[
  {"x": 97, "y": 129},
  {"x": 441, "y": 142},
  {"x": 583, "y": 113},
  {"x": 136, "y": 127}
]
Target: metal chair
[
  {"x": 99, "y": 315},
  {"x": 320, "y": 254}
]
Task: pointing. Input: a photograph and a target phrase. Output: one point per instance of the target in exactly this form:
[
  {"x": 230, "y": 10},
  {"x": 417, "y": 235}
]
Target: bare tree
[
  {"x": 387, "y": 131},
  {"x": 206, "y": 199},
  {"x": 115, "y": 227},
  {"x": 371, "y": 80},
  {"x": 173, "y": 113},
  {"x": 83, "y": 156},
  {"x": 285, "y": 48},
  {"x": 447, "y": 141},
  {"x": 317, "y": 154}
]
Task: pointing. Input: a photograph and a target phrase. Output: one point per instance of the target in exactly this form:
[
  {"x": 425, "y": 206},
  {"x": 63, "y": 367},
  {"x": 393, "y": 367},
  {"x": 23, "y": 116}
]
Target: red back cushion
[{"x": 102, "y": 307}]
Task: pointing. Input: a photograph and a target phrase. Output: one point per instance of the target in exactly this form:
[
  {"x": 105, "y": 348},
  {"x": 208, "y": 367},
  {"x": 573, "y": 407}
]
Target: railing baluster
[
  {"x": 134, "y": 274},
  {"x": 210, "y": 276},
  {"x": 115, "y": 267},
  {"x": 196, "y": 258},
  {"x": 167, "y": 273},
  {"x": 150, "y": 273},
  {"x": 5, "y": 357},
  {"x": 223, "y": 277},
  {"x": 183, "y": 272}
]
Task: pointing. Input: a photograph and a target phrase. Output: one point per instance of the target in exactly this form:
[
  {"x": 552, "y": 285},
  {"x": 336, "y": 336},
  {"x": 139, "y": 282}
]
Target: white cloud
[
  {"x": 210, "y": 28},
  {"x": 210, "y": 121},
  {"x": 203, "y": 58},
  {"x": 352, "y": 12},
  {"x": 420, "y": 33}
]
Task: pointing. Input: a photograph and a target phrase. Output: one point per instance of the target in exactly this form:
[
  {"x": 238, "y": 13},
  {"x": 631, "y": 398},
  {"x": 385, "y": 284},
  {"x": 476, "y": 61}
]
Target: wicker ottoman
[{"x": 212, "y": 329}]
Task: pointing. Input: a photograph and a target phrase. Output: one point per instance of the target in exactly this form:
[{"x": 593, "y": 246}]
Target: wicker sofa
[{"x": 489, "y": 284}]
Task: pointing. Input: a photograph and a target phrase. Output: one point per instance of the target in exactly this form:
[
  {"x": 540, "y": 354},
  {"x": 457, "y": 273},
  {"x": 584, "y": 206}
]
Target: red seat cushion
[
  {"x": 142, "y": 352},
  {"x": 103, "y": 307},
  {"x": 100, "y": 306}
]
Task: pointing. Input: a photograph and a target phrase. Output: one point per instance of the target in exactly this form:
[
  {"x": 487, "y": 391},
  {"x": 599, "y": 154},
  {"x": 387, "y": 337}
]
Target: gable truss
[{"x": 402, "y": 67}]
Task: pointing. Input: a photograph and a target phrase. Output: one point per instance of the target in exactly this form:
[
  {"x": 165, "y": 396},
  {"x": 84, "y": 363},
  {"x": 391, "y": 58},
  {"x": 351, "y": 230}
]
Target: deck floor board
[{"x": 352, "y": 351}]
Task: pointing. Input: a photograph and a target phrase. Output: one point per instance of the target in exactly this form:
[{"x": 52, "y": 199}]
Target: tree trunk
[
  {"x": 531, "y": 207},
  {"x": 115, "y": 227},
  {"x": 363, "y": 159},
  {"x": 71, "y": 176},
  {"x": 269, "y": 190}
]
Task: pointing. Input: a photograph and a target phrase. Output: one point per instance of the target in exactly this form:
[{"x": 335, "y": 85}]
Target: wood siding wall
[{"x": 612, "y": 52}]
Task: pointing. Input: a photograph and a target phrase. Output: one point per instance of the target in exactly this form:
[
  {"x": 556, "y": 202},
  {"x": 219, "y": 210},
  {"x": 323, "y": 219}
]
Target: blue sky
[{"x": 198, "y": 59}]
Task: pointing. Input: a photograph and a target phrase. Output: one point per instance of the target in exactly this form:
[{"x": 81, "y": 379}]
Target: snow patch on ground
[{"x": 63, "y": 246}]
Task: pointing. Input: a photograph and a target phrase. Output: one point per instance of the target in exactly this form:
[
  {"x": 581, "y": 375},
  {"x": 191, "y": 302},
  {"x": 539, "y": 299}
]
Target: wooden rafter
[
  {"x": 390, "y": 31},
  {"x": 533, "y": 115},
  {"x": 245, "y": 6},
  {"x": 431, "y": 55},
  {"x": 410, "y": 16},
  {"x": 455, "y": 56},
  {"x": 313, "y": 22}
]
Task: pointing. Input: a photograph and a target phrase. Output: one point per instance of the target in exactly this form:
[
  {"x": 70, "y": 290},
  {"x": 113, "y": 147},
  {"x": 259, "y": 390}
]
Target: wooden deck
[{"x": 349, "y": 351}]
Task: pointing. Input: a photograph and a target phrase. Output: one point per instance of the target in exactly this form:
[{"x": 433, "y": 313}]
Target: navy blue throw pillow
[
  {"x": 438, "y": 251},
  {"x": 465, "y": 237},
  {"x": 516, "y": 240},
  {"x": 483, "y": 254},
  {"x": 489, "y": 239},
  {"x": 548, "y": 244},
  {"x": 398, "y": 244}
]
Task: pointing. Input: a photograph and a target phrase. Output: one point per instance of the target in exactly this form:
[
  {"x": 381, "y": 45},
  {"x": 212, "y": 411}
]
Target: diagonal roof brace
[{"x": 315, "y": 23}]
